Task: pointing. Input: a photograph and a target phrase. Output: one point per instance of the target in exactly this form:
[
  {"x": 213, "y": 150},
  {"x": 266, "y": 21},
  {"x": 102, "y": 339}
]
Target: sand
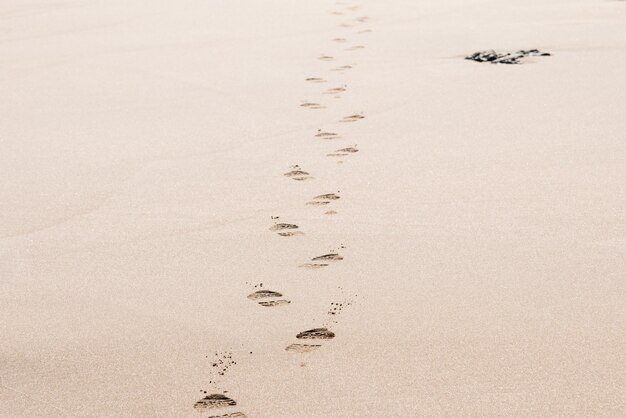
[{"x": 479, "y": 233}]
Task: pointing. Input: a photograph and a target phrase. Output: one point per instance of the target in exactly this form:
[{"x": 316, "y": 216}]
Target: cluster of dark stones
[{"x": 507, "y": 58}]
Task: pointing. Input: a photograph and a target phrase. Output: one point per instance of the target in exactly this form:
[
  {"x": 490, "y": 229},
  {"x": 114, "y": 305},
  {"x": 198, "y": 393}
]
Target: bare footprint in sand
[
  {"x": 323, "y": 199},
  {"x": 315, "y": 80},
  {"x": 298, "y": 174},
  {"x": 311, "y": 105},
  {"x": 339, "y": 40},
  {"x": 342, "y": 152},
  {"x": 362, "y": 19},
  {"x": 326, "y": 58},
  {"x": 233, "y": 415},
  {"x": 354, "y": 48},
  {"x": 353, "y": 118},
  {"x": 326, "y": 135}
]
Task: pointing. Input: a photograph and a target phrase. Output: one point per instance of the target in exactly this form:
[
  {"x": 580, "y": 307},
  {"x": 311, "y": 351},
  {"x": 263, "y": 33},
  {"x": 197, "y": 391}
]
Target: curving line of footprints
[{"x": 312, "y": 339}]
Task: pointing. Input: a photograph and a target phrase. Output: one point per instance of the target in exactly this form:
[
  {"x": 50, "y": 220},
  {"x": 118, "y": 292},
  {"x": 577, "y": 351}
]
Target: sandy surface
[{"x": 482, "y": 222}]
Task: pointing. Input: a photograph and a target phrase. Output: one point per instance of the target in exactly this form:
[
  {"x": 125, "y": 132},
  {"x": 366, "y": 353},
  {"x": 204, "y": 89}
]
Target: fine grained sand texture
[{"x": 312, "y": 209}]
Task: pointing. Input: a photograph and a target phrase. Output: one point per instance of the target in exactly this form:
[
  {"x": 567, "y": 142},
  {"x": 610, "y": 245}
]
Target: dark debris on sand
[{"x": 494, "y": 57}]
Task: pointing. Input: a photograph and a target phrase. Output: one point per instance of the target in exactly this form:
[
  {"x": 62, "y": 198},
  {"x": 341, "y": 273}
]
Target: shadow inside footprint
[
  {"x": 283, "y": 226},
  {"x": 326, "y": 135},
  {"x": 267, "y": 294},
  {"x": 213, "y": 401},
  {"x": 328, "y": 257},
  {"x": 323, "y": 199},
  {"x": 302, "y": 348},
  {"x": 313, "y": 266},
  {"x": 316, "y": 334},
  {"x": 352, "y": 118},
  {"x": 273, "y": 303},
  {"x": 297, "y": 174},
  {"x": 335, "y": 90},
  {"x": 289, "y": 233},
  {"x": 343, "y": 152},
  {"x": 310, "y": 105},
  {"x": 262, "y": 294}
]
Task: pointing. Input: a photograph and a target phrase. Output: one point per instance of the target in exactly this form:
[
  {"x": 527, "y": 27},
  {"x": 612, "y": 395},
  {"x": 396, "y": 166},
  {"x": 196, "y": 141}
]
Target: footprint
[
  {"x": 342, "y": 68},
  {"x": 326, "y": 58},
  {"x": 312, "y": 334},
  {"x": 297, "y": 174},
  {"x": 336, "y": 90},
  {"x": 343, "y": 152},
  {"x": 326, "y": 135},
  {"x": 285, "y": 229},
  {"x": 316, "y": 334},
  {"x": 315, "y": 80},
  {"x": 302, "y": 348},
  {"x": 365, "y": 31},
  {"x": 345, "y": 25},
  {"x": 309, "y": 105},
  {"x": 323, "y": 332},
  {"x": 313, "y": 266},
  {"x": 354, "y": 48},
  {"x": 323, "y": 260},
  {"x": 268, "y": 294},
  {"x": 328, "y": 257},
  {"x": 339, "y": 40},
  {"x": 353, "y": 118},
  {"x": 362, "y": 19},
  {"x": 323, "y": 199},
  {"x": 214, "y": 401},
  {"x": 272, "y": 303},
  {"x": 221, "y": 362},
  {"x": 263, "y": 294},
  {"x": 330, "y": 212}
]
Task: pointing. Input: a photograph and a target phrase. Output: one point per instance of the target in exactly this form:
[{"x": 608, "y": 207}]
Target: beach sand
[{"x": 480, "y": 229}]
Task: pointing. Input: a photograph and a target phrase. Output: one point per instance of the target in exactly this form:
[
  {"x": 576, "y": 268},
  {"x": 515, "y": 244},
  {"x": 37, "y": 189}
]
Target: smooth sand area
[{"x": 481, "y": 226}]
